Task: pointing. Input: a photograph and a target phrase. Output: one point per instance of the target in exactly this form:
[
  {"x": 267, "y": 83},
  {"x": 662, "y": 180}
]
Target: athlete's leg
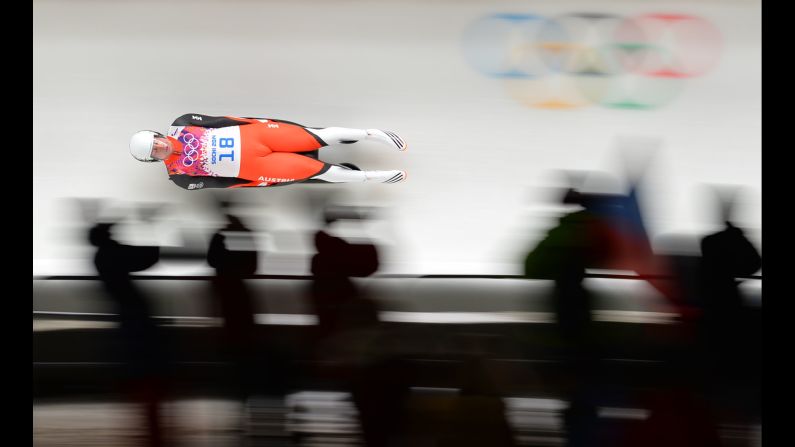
[
  {"x": 341, "y": 174},
  {"x": 344, "y": 135},
  {"x": 286, "y": 136},
  {"x": 336, "y": 135},
  {"x": 277, "y": 136},
  {"x": 282, "y": 167}
]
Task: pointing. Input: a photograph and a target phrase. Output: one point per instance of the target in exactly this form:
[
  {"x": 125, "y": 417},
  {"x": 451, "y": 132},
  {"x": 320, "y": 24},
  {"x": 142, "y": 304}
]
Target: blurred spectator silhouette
[
  {"x": 233, "y": 255},
  {"x": 337, "y": 301},
  {"x": 145, "y": 360},
  {"x": 704, "y": 289},
  {"x": 579, "y": 241},
  {"x": 259, "y": 371},
  {"x": 731, "y": 335},
  {"x": 726, "y": 255},
  {"x": 349, "y": 328},
  {"x": 723, "y": 334},
  {"x": 606, "y": 231}
]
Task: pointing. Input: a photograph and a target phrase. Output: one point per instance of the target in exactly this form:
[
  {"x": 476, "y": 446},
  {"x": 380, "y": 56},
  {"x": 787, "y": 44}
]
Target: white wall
[{"x": 477, "y": 157}]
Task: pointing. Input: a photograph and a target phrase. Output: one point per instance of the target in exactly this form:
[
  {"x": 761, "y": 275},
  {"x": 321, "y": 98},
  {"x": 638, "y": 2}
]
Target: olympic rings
[
  {"x": 188, "y": 155},
  {"x": 578, "y": 59}
]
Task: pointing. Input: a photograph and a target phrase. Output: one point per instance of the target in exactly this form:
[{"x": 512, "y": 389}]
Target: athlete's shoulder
[
  {"x": 200, "y": 120},
  {"x": 190, "y": 119}
]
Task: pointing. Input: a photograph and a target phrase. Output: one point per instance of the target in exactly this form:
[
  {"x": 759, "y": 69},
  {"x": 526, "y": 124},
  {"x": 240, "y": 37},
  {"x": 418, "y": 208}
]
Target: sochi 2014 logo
[{"x": 582, "y": 59}]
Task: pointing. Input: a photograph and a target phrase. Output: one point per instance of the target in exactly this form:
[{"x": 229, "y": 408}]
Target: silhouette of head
[{"x": 100, "y": 234}]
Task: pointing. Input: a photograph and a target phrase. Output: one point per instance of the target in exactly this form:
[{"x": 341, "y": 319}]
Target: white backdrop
[{"x": 477, "y": 161}]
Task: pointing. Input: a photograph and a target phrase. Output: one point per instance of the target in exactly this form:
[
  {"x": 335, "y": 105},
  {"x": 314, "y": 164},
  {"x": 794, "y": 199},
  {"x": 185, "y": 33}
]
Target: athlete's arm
[{"x": 213, "y": 122}]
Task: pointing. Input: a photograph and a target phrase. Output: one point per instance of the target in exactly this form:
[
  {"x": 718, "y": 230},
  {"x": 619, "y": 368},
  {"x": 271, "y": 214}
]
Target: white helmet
[{"x": 141, "y": 144}]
